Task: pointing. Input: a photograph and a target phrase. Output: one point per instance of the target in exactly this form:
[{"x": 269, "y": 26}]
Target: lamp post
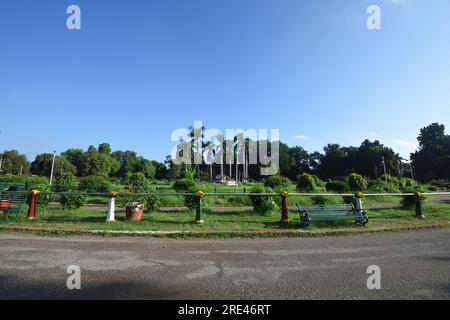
[{"x": 53, "y": 167}]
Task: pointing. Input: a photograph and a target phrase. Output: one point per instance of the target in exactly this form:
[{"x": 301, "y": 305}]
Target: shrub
[
  {"x": 306, "y": 183},
  {"x": 349, "y": 200},
  {"x": 138, "y": 183},
  {"x": 95, "y": 184},
  {"x": 317, "y": 181},
  {"x": 187, "y": 186},
  {"x": 406, "y": 183},
  {"x": 278, "y": 183},
  {"x": 433, "y": 188},
  {"x": 68, "y": 183},
  {"x": 152, "y": 203},
  {"x": 43, "y": 200},
  {"x": 325, "y": 200},
  {"x": 390, "y": 180},
  {"x": 357, "y": 182},
  {"x": 184, "y": 185},
  {"x": 409, "y": 202},
  {"x": 262, "y": 204},
  {"x": 337, "y": 186}
]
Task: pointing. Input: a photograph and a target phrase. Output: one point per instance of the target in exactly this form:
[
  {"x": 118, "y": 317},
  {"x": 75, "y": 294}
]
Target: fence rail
[{"x": 174, "y": 194}]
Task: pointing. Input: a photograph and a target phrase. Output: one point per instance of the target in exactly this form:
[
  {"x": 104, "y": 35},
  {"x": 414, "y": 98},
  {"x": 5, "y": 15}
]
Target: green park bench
[
  {"x": 11, "y": 202},
  {"x": 334, "y": 212}
]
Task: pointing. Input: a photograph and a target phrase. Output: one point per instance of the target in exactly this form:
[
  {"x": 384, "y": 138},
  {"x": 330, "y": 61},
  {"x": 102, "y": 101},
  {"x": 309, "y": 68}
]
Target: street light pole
[
  {"x": 53, "y": 167},
  {"x": 384, "y": 168}
]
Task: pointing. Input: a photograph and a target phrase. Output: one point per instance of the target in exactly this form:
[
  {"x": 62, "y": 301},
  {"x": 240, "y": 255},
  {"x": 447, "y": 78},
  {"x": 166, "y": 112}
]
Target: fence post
[
  {"x": 284, "y": 207},
  {"x": 418, "y": 202},
  {"x": 358, "y": 199},
  {"x": 111, "y": 207},
  {"x": 199, "y": 210},
  {"x": 33, "y": 203}
]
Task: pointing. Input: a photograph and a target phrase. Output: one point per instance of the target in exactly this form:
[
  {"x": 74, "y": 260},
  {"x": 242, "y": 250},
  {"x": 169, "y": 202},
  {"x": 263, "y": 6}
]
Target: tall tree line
[{"x": 371, "y": 159}]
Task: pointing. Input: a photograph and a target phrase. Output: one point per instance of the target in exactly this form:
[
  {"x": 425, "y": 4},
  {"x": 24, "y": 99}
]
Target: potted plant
[{"x": 134, "y": 211}]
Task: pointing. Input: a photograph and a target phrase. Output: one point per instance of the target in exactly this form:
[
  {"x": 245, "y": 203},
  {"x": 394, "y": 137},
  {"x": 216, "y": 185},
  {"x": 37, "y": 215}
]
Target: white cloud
[
  {"x": 403, "y": 3},
  {"x": 302, "y": 137},
  {"x": 374, "y": 135},
  {"x": 405, "y": 144}
]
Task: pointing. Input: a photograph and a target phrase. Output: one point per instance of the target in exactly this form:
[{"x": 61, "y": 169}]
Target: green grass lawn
[{"x": 87, "y": 218}]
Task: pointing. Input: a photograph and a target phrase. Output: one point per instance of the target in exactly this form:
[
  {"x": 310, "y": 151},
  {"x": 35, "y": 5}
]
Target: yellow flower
[
  {"x": 359, "y": 195},
  {"x": 112, "y": 194},
  {"x": 284, "y": 194}
]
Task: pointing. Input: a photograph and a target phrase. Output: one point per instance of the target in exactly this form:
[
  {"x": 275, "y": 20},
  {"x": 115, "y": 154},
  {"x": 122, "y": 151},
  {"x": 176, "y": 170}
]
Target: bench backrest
[
  {"x": 14, "y": 200},
  {"x": 327, "y": 207}
]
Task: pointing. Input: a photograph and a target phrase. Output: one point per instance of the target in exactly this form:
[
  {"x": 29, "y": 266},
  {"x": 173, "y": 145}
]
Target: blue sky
[{"x": 137, "y": 70}]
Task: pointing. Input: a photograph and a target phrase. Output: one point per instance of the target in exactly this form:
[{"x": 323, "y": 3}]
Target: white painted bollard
[{"x": 111, "y": 207}]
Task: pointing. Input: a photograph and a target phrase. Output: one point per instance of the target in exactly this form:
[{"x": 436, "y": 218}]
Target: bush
[
  {"x": 337, "y": 186},
  {"x": 409, "y": 202},
  {"x": 95, "y": 184},
  {"x": 138, "y": 183},
  {"x": 68, "y": 183},
  {"x": 42, "y": 200},
  {"x": 406, "y": 183},
  {"x": 390, "y": 180},
  {"x": 187, "y": 186},
  {"x": 380, "y": 186},
  {"x": 325, "y": 200},
  {"x": 278, "y": 183},
  {"x": 349, "y": 200},
  {"x": 262, "y": 204},
  {"x": 152, "y": 203},
  {"x": 184, "y": 185},
  {"x": 357, "y": 182},
  {"x": 306, "y": 183},
  {"x": 433, "y": 188}
]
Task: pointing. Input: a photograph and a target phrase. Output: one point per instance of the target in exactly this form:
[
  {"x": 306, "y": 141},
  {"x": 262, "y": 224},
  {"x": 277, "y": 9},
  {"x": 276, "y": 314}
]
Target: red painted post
[
  {"x": 32, "y": 206},
  {"x": 284, "y": 207}
]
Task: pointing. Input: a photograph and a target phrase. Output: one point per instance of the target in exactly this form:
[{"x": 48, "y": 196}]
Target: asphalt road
[{"x": 414, "y": 265}]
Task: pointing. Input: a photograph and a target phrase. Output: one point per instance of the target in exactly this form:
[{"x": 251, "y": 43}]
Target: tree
[
  {"x": 75, "y": 157},
  {"x": 432, "y": 160},
  {"x": 104, "y": 148},
  {"x": 14, "y": 163},
  {"x": 42, "y": 165},
  {"x": 98, "y": 164}
]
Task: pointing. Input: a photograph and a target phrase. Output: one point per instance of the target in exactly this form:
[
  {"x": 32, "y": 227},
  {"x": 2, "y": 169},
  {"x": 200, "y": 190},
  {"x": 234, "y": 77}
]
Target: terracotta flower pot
[{"x": 134, "y": 212}]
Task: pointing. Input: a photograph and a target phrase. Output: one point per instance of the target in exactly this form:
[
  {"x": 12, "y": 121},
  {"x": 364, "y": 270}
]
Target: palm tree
[
  {"x": 220, "y": 138},
  {"x": 209, "y": 148},
  {"x": 196, "y": 135}
]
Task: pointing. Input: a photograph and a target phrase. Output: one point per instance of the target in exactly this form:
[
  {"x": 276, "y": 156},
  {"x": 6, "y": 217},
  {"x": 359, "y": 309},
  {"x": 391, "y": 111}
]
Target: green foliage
[
  {"x": 278, "y": 183},
  {"x": 152, "y": 203},
  {"x": 42, "y": 165},
  {"x": 357, "y": 182},
  {"x": 43, "y": 200},
  {"x": 69, "y": 183},
  {"x": 337, "y": 187},
  {"x": 138, "y": 183},
  {"x": 187, "y": 186},
  {"x": 14, "y": 163},
  {"x": 349, "y": 200},
  {"x": 95, "y": 184},
  {"x": 317, "y": 200},
  {"x": 184, "y": 185},
  {"x": 262, "y": 204},
  {"x": 409, "y": 202},
  {"x": 306, "y": 183}
]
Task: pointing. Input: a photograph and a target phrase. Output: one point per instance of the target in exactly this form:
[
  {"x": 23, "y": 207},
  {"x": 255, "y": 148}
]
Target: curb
[{"x": 224, "y": 234}]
